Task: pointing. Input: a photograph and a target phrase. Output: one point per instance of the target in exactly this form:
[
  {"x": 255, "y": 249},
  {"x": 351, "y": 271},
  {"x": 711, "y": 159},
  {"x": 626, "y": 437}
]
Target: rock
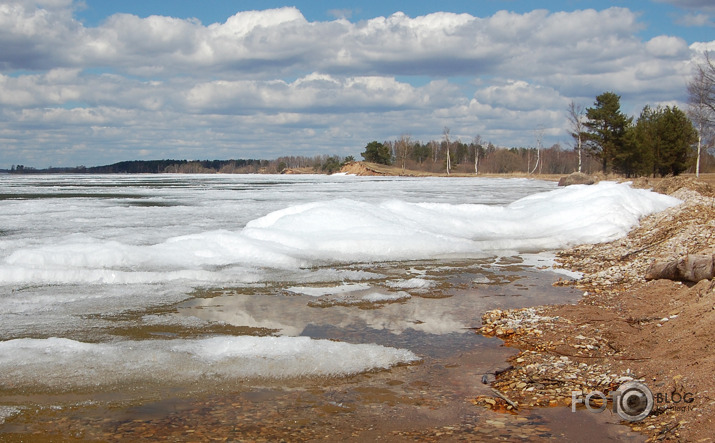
[
  {"x": 689, "y": 268},
  {"x": 577, "y": 178}
]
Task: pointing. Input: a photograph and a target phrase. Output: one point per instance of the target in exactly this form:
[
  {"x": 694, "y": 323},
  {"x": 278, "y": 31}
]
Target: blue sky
[
  {"x": 95, "y": 82},
  {"x": 658, "y": 17}
]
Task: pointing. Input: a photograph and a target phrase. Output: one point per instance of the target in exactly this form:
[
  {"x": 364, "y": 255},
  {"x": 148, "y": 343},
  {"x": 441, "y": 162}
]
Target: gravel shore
[{"x": 659, "y": 332}]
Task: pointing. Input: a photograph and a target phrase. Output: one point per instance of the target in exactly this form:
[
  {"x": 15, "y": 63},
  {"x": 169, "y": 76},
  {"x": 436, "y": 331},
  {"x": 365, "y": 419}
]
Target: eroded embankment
[{"x": 659, "y": 332}]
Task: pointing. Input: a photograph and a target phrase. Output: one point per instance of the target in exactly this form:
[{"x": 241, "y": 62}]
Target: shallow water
[
  {"x": 425, "y": 401},
  {"x": 137, "y": 275}
]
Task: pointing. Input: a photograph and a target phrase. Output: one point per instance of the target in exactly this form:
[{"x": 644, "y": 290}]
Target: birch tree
[
  {"x": 539, "y": 143},
  {"x": 402, "y": 149},
  {"x": 477, "y": 149},
  {"x": 701, "y": 95},
  {"x": 445, "y": 132},
  {"x": 576, "y": 116}
]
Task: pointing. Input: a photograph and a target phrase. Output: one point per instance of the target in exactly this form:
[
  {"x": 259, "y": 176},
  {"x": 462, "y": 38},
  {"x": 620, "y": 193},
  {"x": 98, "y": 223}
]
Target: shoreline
[{"x": 624, "y": 328}]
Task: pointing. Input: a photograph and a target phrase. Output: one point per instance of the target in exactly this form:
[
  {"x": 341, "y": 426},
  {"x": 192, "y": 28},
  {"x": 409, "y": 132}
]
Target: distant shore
[
  {"x": 359, "y": 168},
  {"x": 365, "y": 168}
]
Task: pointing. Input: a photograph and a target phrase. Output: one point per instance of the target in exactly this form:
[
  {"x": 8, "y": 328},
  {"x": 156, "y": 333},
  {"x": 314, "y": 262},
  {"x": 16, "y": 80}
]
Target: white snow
[
  {"x": 60, "y": 363},
  {"x": 339, "y": 231}
]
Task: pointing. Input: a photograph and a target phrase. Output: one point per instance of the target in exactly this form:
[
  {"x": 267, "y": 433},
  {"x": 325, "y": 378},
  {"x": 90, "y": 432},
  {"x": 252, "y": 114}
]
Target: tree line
[
  {"x": 475, "y": 157},
  {"x": 319, "y": 164},
  {"x": 663, "y": 140}
]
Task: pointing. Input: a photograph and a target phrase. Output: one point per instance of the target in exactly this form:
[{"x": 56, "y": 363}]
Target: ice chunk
[
  {"x": 378, "y": 297},
  {"x": 63, "y": 363},
  {"x": 413, "y": 283},
  {"x": 328, "y": 290}
]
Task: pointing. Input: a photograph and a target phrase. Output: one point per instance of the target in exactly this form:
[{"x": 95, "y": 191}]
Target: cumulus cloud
[
  {"x": 695, "y": 20},
  {"x": 270, "y": 42},
  {"x": 273, "y": 82},
  {"x": 700, "y": 5},
  {"x": 667, "y": 46}
]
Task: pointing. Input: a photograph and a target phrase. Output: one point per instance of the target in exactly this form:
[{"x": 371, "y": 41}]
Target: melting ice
[
  {"x": 130, "y": 243},
  {"x": 341, "y": 231}
]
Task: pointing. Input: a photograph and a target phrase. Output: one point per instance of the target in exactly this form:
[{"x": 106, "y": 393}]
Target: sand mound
[{"x": 359, "y": 168}]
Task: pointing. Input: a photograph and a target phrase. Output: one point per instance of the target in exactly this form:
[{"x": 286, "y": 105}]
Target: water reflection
[{"x": 432, "y": 320}]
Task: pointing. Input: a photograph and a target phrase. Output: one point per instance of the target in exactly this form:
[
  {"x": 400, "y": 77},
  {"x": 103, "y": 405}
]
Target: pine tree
[
  {"x": 662, "y": 140},
  {"x": 607, "y": 127},
  {"x": 377, "y": 152}
]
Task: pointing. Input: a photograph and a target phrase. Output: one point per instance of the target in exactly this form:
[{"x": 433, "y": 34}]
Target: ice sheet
[
  {"x": 314, "y": 291},
  {"x": 342, "y": 231},
  {"x": 59, "y": 363},
  {"x": 65, "y": 261}
]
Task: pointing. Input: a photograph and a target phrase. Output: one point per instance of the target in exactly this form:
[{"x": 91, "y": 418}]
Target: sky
[{"x": 94, "y": 82}]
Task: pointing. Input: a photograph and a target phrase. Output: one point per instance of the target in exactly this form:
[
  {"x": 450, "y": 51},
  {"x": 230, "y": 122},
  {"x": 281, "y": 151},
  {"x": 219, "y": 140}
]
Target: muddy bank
[{"x": 659, "y": 332}]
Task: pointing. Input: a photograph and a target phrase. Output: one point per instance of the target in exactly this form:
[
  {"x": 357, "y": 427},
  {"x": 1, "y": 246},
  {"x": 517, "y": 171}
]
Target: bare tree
[
  {"x": 477, "y": 148},
  {"x": 575, "y": 115},
  {"x": 701, "y": 94},
  {"x": 402, "y": 149},
  {"x": 445, "y": 132},
  {"x": 539, "y": 145},
  {"x": 434, "y": 147}
]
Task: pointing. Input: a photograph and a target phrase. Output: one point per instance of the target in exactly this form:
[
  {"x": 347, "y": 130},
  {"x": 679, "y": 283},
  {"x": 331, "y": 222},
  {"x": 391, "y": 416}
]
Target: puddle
[{"x": 427, "y": 401}]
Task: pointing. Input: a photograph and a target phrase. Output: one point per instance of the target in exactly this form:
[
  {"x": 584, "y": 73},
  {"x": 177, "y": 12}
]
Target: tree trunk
[
  {"x": 449, "y": 163},
  {"x": 697, "y": 161}
]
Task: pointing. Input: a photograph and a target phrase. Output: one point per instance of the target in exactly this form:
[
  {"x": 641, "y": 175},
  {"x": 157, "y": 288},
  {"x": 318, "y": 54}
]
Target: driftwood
[
  {"x": 503, "y": 397},
  {"x": 689, "y": 268}
]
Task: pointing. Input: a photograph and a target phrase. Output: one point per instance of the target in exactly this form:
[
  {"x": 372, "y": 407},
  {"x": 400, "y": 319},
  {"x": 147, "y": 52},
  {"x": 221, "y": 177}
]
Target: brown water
[{"x": 425, "y": 401}]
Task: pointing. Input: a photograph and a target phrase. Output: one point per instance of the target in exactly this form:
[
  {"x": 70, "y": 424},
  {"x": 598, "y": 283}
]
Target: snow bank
[
  {"x": 343, "y": 230},
  {"x": 62, "y": 363}
]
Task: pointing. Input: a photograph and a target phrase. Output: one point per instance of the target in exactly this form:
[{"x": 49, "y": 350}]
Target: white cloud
[
  {"x": 266, "y": 83},
  {"x": 700, "y": 5},
  {"x": 667, "y": 46},
  {"x": 520, "y": 95},
  {"x": 695, "y": 20}
]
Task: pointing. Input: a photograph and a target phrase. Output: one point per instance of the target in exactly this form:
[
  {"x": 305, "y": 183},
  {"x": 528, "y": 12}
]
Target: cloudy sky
[{"x": 94, "y": 82}]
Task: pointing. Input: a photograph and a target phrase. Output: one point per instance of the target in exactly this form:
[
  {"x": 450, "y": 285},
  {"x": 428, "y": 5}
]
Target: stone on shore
[{"x": 577, "y": 178}]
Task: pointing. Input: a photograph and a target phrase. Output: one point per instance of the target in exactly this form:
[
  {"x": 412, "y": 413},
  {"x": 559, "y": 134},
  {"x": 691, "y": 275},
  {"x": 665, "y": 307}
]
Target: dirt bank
[
  {"x": 360, "y": 168},
  {"x": 659, "y": 332}
]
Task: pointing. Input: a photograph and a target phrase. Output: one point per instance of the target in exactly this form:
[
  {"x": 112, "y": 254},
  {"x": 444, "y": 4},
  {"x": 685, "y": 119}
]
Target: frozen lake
[{"x": 191, "y": 282}]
